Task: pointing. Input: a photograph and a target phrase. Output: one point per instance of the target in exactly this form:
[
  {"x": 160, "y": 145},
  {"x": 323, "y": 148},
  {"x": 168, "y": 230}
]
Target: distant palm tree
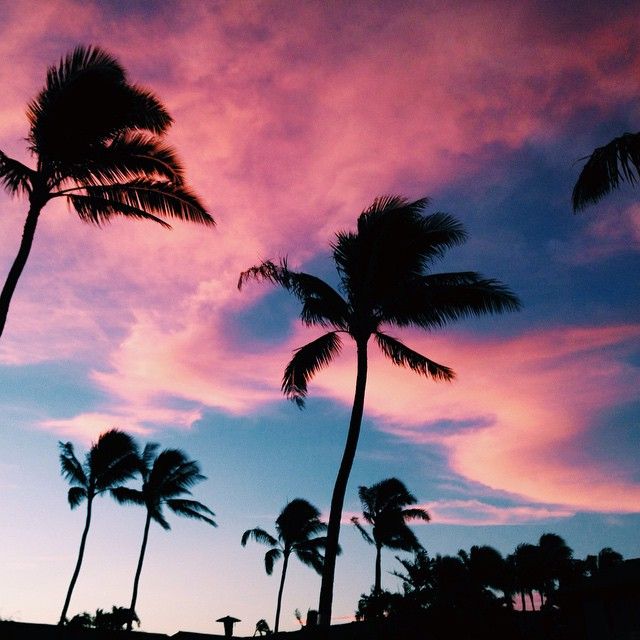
[
  {"x": 555, "y": 562},
  {"x": 525, "y": 566},
  {"x": 384, "y": 508},
  {"x": 487, "y": 569},
  {"x": 608, "y": 166},
  {"x": 97, "y": 142},
  {"x": 111, "y": 461},
  {"x": 384, "y": 280},
  {"x": 297, "y": 526},
  {"x": 166, "y": 477}
]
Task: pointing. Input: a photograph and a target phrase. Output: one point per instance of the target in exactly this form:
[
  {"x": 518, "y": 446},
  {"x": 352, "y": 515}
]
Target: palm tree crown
[
  {"x": 97, "y": 142},
  {"x": 385, "y": 280},
  {"x": 384, "y": 507},
  {"x": 298, "y": 527},
  {"x": 166, "y": 478},
  {"x": 616, "y": 162},
  {"x": 111, "y": 461}
]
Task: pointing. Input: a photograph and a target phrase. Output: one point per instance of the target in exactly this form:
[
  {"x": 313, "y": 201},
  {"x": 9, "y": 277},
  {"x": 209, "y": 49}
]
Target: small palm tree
[
  {"x": 384, "y": 507},
  {"x": 608, "y": 166},
  {"x": 97, "y": 143},
  {"x": 384, "y": 281},
  {"x": 110, "y": 462},
  {"x": 166, "y": 477},
  {"x": 297, "y": 526}
]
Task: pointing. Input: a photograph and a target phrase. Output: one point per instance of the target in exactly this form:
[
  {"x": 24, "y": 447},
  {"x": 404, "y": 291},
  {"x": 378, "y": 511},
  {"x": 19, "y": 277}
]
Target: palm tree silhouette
[
  {"x": 488, "y": 571},
  {"x": 111, "y": 461},
  {"x": 384, "y": 279},
  {"x": 165, "y": 478},
  {"x": 297, "y": 526},
  {"x": 608, "y": 166},
  {"x": 384, "y": 508},
  {"x": 97, "y": 142},
  {"x": 525, "y": 565},
  {"x": 555, "y": 560}
]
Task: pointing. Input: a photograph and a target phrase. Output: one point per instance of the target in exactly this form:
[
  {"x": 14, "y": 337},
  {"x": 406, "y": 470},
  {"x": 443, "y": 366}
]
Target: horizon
[{"x": 289, "y": 125}]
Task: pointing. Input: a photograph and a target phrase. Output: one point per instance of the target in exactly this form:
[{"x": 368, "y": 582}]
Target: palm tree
[
  {"x": 166, "y": 477},
  {"x": 111, "y": 461},
  {"x": 297, "y": 526},
  {"x": 96, "y": 139},
  {"x": 384, "y": 280},
  {"x": 384, "y": 508},
  {"x": 525, "y": 565},
  {"x": 608, "y": 166},
  {"x": 555, "y": 560},
  {"x": 487, "y": 569}
]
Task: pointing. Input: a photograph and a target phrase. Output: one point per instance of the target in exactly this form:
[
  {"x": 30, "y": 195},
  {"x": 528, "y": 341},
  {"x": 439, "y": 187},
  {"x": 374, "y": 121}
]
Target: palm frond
[
  {"x": 403, "y": 356},
  {"x": 270, "y": 558},
  {"x": 156, "y": 514},
  {"x": 125, "y": 495},
  {"x": 311, "y": 558},
  {"x": 431, "y": 301},
  {"x": 143, "y": 198},
  {"x": 148, "y": 456},
  {"x": 85, "y": 102},
  {"x": 130, "y": 156},
  {"x": 113, "y": 459},
  {"x": 76, "y": 495},
  {"x": 363, "y": 532},
  {"x": 321, "y": 303},
  {"x": 100, "y": 211},
  {"x": 306, "y": 362},
  {"x": 70, "y": 467},
  {"x": 298, "y": 521},
  {"x": 15, "y": 177},
  {"x": 259, "y": 535},
  {"x": 191, "y": 509},
  {"x": 608, "y": 166},
  {"x": 173, "y": 474},
  {"x": 416, "y": 514}
]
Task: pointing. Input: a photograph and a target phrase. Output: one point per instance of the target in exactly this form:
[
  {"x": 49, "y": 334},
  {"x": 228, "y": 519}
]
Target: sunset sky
[{"x": 290, "y": 118}]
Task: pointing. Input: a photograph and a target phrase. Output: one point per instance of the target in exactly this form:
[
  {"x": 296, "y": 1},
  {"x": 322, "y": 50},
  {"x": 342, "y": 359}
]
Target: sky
[{"x": 290, "y": 119}]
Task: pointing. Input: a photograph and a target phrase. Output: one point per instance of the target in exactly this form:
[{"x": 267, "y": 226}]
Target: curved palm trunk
[
  {"x": 280, "y": 590},
  {"x": 18, "y": 264},
  {"x": 76, "y": 571},
  {"x": 340, "y": 488},
  {"x": 136, "y": 580},
  {"x": 378, "y": 583}
]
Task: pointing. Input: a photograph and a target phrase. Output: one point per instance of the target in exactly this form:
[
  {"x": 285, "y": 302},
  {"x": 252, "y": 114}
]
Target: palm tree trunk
[
  {"x": 378, "y": 583},
  {"x": 19, "y": 263},
  {"x": 340, "y": 488},
  {"x": 524, "y": 602},
  {"x": 136, "y": 580},
  {"x": 280, "y": 590},
  {"x": 76, "y": 571},
  {"x": 533, "y": 606}
]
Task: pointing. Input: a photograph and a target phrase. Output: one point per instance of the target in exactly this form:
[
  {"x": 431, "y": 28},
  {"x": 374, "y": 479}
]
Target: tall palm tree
[
  {"x": 384, "y": 280},
  {"x": 111, "y": 461},
  {"x": 297, "y": 527},
  {"x": 166, "y": 478},
  {"x": 608, "y": 166},
  {"x": 96, "y": 140},
  {"x": 384, "y": 507}
]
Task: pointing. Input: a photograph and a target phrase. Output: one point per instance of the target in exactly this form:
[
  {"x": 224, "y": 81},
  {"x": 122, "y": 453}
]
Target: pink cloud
[
  {"x": 288, "y": 125},
  {"x": 534, "y": 399},
  {"x": 478, "y": 513}
]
